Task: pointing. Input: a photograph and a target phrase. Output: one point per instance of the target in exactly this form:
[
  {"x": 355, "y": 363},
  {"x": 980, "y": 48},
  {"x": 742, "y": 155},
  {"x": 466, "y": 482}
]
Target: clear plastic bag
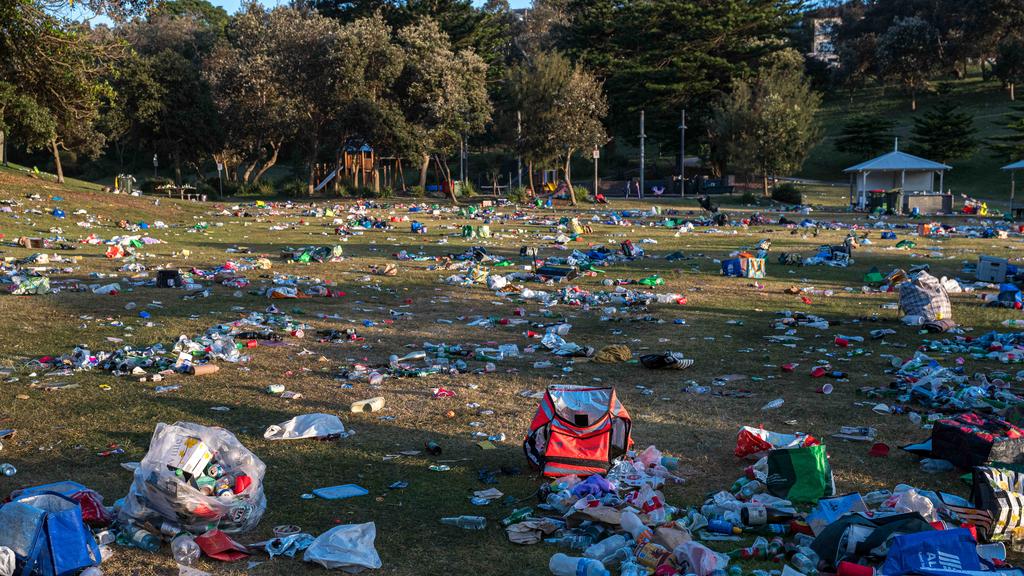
[
  {"x": 161, "y": 491},
  {"x": 349, "y": 548}
]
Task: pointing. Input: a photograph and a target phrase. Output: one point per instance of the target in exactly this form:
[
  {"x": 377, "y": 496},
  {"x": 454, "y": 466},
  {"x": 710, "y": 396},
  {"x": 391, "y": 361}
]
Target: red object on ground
[{"x": 879, "y": 450}]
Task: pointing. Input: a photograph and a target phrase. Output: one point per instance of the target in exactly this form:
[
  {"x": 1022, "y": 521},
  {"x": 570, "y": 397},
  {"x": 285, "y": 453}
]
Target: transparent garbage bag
[
  {"x": 162, "y": 491},
  {"x": 349, "y": 548}
]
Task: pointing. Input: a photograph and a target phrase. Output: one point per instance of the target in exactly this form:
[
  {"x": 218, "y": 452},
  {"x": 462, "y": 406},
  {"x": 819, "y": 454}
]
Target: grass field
[{"x": 61, "y": 432}]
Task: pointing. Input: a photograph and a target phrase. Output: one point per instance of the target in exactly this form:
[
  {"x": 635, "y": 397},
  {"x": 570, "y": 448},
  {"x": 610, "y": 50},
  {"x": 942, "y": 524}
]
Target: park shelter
[
  {"x": 909, "y": 178},
  {"x": 1013, "y": 169}
]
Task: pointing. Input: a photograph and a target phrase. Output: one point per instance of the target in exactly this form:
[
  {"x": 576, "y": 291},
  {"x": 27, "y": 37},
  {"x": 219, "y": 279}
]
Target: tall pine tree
[
  {"x": 1009, "y": 147},
  {"x": 865, "y": 135},
  {"x": 944, "y": 134}
]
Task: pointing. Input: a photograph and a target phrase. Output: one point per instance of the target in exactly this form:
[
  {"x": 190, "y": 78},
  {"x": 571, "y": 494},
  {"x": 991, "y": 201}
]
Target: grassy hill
[{"x": 978, "y": 175}]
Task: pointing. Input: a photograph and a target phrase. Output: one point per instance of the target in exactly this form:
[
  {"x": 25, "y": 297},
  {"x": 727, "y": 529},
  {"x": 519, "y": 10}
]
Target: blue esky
[{"x": 232, "y": 5}]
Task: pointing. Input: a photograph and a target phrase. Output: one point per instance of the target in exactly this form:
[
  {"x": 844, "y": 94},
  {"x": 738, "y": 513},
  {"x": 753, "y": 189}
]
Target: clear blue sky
[{"x": 232, "y": 5}]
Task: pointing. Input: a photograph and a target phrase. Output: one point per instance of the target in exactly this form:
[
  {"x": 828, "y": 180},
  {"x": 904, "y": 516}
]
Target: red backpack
[{"x": 577, "y": 430}]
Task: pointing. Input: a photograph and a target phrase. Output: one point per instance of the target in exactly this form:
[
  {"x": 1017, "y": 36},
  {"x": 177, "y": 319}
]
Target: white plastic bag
[
  {"x": 348, "y": 547},
  {"x": 305, "y": 426},
  {"x": 158, "y": 493},
  {"x": 6, "y": 561}
]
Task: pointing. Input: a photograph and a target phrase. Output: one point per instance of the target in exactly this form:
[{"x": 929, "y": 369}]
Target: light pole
[
  {"x": 597, "y": 156},
  {"x": 519, "y": 157},
  {"x": 643, "y": 153},
  {"x": 155, "y": 165},
  {"x": 682, "y": 154},
  {"x": 220, "y": 181}
]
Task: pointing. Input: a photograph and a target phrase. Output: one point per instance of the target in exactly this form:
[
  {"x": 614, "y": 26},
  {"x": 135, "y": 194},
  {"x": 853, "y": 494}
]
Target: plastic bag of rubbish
[
  {"x": 496, "y": 282},
  {"x": 184, "y": 461},
  {"x": 6, "y": 561},
  {"x": 305, "y": 426},
  {"x": 700, "y": 559},
  {"x": 348, "y": 547}
]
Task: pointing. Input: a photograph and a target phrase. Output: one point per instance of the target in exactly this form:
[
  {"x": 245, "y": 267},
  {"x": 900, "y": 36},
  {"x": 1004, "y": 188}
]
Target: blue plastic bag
[
  {"x": 934, "y": 553},
  {"x": 47, "y": 535}
]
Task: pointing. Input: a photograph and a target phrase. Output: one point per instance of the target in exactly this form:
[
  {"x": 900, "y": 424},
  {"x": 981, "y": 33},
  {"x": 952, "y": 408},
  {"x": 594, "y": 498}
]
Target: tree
[
  {"x": 944, "y": 134},
  {"x": 1009, "y": 147},
  {"x": 672, "y": 54},
  {"x": 768, "y": 124},
  {"x": 1009, "y": 65},
  {"x": 57, "y": 68},
  {"x": 249, "y": 97},
  {"x": 23, "y": 119},
  {"x": 865, "y": 135},
  {"x": 208, "y": 15},
  {"x": 908, "y": 52},
  {"x": 558, "y": 109},
  {"x": 178, "y": 119},
  {"x": 334, "y": 77},
  {"x": 442, "y": 95}
]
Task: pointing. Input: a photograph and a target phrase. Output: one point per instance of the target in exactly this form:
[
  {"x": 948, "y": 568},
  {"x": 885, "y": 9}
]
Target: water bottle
[
  {"x": 606, "y": 547},
  {"x": 142, "y": 540},
  {"x": 466, "y": 522},
  {"x": 562, "y": 565},
  {"x": 8, "y": 469},
  {"x": 572, "y": 541},
  {"x": 804, "y": 564},
  {"x": 1013, "y": 323},
  {"x": 631, "y": 523},
  {"x": 751, "y": 489},
  {"x": 777, "y": 403},
  {"x": 630, "y": 567},
  {"x": 184, "y": 549}
]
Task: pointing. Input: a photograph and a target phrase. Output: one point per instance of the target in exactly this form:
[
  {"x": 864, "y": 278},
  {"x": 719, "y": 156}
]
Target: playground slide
[{"x": 326, "y": 181}]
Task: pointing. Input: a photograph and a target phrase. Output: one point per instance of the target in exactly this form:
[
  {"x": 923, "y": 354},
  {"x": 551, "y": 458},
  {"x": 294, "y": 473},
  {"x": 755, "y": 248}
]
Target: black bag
[
  {"x": 970, "y": 440},
  {"x": 854, "y": 537},
  {"x": 169, "y": 279},
  {"x": 998, "y": 491}
]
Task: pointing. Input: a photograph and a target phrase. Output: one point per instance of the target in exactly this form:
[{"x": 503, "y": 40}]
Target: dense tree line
[{"x": 418, "y": 79}]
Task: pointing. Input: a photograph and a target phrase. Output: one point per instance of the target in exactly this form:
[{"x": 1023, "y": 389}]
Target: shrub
[
  {"x": 150, "y": 185},
  {"x": 748, "y": 197},
  {"x": 517, "y": 195},
  {"x": 417, "y": 191},
  {"x": 261, "y": 188},
  {"x": 386, "y": 192},
  {"x": 787, "y": 193},
  {"x": 294, "y": 188},
  {"x": 468, "y": 190}
]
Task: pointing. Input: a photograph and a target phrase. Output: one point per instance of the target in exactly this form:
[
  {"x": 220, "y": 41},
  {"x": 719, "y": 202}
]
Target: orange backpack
[{"x": 577, "y": 430}]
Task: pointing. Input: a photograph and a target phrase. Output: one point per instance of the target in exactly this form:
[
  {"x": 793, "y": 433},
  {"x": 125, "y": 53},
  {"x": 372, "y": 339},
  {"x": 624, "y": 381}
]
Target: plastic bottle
[
  {"x": 184, "y": 549},
  {"x": 751, "y": 489},
  {"x": 1013, "y": 323},
  {"x": 572, "y": 541},
  {"x": 606, "y": 547},
  {"x": 630, "y": 567},
  {"x": 92, "y": 571},
  {"x": 466, "y": 522},
  {"x": 142, "y": 540},
  {"x": 777, "y": 403},
  {"x": 723, "y": 527},
  {"x": 631, "y": 523},
  {"x": 517, "y": 515},
  {"x": 8, "y": 469},
  {"x": 562, "y": 565}
]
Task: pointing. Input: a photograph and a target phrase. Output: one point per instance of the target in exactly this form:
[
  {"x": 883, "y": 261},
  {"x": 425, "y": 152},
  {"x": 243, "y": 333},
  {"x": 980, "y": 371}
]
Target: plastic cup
[{"x": 825, "y": 389}]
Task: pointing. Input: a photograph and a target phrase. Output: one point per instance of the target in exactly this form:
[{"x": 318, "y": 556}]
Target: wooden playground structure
[{"x": 357, "y": 165}]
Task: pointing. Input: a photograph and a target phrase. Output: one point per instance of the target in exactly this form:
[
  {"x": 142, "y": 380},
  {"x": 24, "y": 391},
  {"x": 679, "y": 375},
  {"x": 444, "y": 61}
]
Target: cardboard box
[
  {"x": 190, "y": 455},
  {"x": 992, "y": 269}
]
